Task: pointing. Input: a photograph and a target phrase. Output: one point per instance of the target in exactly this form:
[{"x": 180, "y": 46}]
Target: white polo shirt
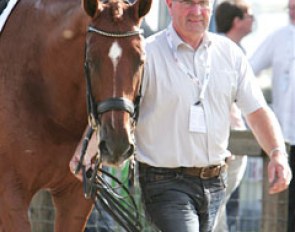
[
  {"x": 278, "y": 52},
  {"x": 173, "y": 78}
]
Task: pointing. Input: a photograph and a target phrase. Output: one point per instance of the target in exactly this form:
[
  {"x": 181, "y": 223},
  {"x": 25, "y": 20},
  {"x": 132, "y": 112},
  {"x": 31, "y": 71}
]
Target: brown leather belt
[{"x": 201, "y": 172}]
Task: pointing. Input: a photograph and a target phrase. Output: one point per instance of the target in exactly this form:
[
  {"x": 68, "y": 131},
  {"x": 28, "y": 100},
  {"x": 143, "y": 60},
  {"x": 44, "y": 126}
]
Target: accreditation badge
[{"x": 197, "y": 121}]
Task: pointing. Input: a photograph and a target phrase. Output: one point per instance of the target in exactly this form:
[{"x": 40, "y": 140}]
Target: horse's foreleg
[
  {"x": 72, "y": 209},
  {"x": 1, "y": 226},
  {"x": 14, "y": 203}
]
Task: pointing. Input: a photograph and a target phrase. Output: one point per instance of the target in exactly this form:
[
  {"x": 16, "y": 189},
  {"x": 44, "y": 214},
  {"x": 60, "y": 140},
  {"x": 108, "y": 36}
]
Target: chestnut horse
[{"x": 42, "y": 99}]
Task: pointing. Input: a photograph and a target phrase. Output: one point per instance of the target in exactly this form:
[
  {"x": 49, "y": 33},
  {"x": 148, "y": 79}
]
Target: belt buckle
[{"x": 202, "y": 174}]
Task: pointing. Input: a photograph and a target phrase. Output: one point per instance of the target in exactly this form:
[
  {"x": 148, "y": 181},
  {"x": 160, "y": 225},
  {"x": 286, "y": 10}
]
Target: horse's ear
[
  {"x": 142, "y": 7},
  {"x": 90, "y": 6}
]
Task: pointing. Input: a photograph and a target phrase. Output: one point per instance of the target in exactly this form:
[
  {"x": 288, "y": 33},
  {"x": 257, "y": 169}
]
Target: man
[
  {"x": 278, "y": 52},
  {"x": 233, "y": 20},
  {"x": 190, "y": 81}
]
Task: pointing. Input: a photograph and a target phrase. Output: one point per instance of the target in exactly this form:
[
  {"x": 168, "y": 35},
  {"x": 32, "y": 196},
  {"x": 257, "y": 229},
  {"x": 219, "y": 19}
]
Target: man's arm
[
  {"x": 262, "y": 57},
  {"x": 268, "y": 134}
]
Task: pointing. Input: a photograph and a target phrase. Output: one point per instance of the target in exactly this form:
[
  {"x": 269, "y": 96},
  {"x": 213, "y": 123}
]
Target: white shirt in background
[{"x": 278, "y": 52}]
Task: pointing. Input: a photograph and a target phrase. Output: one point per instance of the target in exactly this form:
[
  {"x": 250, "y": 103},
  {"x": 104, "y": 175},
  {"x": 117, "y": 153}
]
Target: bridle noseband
[{"x": 96, "y": 109}]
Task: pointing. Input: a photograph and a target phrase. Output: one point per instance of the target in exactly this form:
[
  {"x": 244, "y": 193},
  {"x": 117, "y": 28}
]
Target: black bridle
[{"x": 96, "y": 109}]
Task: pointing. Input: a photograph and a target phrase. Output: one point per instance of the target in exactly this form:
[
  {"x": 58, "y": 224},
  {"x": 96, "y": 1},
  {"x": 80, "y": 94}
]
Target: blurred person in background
[
  {"x": 277, "y": 52},
  {"x": 234, "y": 20}
]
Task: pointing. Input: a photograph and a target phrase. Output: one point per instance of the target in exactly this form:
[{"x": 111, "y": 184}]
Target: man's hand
[
  {"x": 269, "y": 136},
  {"x": 279, "y": 172},
  {"x": 90, "y": 153}
]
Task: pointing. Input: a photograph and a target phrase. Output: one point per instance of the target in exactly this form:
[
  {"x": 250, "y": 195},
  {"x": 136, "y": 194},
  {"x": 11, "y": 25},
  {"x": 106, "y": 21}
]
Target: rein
[{"x": 120, "y": 206}]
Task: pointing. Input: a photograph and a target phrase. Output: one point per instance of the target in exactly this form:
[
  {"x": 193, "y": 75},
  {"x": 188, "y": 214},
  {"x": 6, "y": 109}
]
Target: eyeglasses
[
  {"x": 249, "y": 16},
  {"x": 206, "y": 5}
]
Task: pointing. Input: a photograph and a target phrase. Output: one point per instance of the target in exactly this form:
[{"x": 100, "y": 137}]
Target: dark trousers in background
[{"x": 232, "y": 210}]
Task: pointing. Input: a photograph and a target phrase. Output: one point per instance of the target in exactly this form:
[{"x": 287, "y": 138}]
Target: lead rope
[{"x": 121, "y": 206}]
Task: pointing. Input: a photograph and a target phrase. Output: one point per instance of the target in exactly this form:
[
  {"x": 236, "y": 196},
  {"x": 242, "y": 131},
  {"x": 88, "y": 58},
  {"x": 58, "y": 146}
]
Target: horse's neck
[
  {"x": 51, "y": 54},
  {"x": 64, "y": 48},
  {"x": 56, "y": 7}
]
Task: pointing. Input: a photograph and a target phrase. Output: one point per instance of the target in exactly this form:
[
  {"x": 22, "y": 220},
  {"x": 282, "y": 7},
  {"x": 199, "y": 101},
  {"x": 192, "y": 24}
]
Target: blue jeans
[{"x": 175, "y": 202}]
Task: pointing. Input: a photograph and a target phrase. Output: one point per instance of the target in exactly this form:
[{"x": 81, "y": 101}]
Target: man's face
[
  {"x": 291, "y": 7},
  {"x": 190, "y": 16},
  {"x": 247, "y": 23}
]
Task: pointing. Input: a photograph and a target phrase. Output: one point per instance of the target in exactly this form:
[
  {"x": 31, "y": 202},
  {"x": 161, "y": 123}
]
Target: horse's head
[{"x": 113, "y": 65}]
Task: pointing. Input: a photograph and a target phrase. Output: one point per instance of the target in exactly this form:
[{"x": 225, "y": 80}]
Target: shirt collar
[{"x": 177, "y": 41}]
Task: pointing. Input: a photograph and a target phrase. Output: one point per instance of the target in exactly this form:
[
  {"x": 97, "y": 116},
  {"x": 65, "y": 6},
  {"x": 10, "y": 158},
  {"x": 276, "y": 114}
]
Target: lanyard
[
  {"x": 187, "y": 71},
  {"x": 206, "y": 79}
]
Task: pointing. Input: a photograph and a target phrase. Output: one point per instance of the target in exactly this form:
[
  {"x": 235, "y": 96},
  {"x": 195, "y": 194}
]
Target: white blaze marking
[{"x": 115, "y": 54}]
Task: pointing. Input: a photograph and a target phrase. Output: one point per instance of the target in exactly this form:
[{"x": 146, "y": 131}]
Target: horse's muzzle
[{"x": 115, "y": 154}]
